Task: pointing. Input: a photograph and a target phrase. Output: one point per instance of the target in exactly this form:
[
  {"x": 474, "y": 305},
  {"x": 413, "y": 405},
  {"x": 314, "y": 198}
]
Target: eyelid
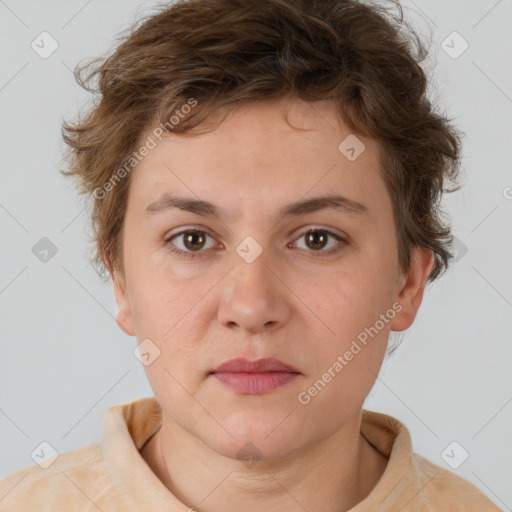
[
  {"x": 187, "y": 229},
  {"x": 332, "y": 231}
]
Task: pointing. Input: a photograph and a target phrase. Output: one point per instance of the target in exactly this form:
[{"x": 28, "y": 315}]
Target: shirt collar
[{"x": 128, "y": 426}]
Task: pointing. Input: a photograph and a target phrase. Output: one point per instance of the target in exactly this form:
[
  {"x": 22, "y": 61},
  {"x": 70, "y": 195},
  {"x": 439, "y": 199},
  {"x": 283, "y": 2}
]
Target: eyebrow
[{"x": 204, "y": 208}]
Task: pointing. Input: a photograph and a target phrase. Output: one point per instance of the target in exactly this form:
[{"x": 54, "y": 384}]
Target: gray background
[{"x": 64, "y": 360}]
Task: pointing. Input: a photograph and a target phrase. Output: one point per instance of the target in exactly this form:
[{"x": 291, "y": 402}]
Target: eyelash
[{"x": 191, "y": 254}]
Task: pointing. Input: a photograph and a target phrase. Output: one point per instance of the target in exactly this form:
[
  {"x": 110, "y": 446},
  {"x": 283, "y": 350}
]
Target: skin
[{"x": 300, "y": 305}]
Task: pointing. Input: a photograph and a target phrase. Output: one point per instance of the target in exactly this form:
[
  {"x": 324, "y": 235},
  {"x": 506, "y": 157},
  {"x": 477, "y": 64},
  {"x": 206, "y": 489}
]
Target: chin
[{"x": 254, "y": 439}]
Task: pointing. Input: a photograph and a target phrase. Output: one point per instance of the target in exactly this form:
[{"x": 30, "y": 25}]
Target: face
[{"x": 262, "y": 279}]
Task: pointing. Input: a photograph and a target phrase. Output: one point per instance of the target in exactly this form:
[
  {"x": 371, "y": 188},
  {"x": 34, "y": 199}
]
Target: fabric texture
[{"x": 111, "y": 475}]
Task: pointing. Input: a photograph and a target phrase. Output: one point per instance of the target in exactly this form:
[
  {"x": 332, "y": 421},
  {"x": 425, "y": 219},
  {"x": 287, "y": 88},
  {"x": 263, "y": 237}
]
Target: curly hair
[{"x": 195, "y": 57}]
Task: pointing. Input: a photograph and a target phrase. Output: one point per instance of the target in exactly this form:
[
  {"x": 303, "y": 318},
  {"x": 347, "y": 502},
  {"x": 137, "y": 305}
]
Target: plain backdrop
[{"x": 63, "y": 358}]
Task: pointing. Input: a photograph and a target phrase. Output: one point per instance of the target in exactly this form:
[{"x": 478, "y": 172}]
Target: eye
[
  {"x": 192, "y": 240},
  {"x": 317, "y": 239}
]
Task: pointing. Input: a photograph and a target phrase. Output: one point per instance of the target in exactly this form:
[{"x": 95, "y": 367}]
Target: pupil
[
  {"x": 317, "y": 238},
  {"x": 190, "y": 239}
]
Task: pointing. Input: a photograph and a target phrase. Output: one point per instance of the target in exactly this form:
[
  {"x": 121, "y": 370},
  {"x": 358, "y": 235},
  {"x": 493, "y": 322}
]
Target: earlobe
[
  {"x": 123, "y": 315},
  {"x": 413, "y": 287}
]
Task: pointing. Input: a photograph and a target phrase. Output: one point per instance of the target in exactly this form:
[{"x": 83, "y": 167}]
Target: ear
[
  {"x": 124, "y": 314},
  {"x": 412, "y": 286}
]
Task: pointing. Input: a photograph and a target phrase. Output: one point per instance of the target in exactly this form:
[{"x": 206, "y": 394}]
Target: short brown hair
[{"x": 364, "y": 58}]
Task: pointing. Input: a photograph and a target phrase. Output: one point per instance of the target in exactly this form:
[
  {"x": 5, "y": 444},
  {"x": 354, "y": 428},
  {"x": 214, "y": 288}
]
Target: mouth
[{"x": 255, "y": 377}]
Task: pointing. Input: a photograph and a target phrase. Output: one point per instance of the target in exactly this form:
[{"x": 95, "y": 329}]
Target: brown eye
[
  {"x": 316, "y": 239},
  {"x": 189, "y": 242},
  {"x": 194, "y": 240},
  {"x": 319, "y": 241}
]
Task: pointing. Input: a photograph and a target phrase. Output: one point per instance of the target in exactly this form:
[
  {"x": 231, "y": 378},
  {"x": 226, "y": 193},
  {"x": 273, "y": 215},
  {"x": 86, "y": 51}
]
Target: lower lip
[{"x": 255, "y": 383}]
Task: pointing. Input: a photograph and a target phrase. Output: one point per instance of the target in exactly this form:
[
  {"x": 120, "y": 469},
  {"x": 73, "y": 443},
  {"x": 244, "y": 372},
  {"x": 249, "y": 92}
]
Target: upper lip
[{"x": 242, "y": 365}]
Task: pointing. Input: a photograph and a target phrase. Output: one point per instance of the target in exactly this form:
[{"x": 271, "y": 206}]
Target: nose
[{"x": 253, "y": 298}]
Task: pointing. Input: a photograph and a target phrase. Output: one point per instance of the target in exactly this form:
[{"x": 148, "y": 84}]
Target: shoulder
[
  {"x": 76, "y": 477},
  {"x": 441, "y": 489},
  {"x": 412, "y": 482}
]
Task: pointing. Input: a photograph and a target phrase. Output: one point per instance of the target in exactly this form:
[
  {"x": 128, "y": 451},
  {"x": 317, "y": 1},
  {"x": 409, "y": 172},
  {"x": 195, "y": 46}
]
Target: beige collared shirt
[{"x": 112, "y": 476}]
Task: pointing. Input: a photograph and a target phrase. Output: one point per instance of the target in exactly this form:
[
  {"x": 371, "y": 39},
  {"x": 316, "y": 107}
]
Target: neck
[{"x": 332, "y": 476}]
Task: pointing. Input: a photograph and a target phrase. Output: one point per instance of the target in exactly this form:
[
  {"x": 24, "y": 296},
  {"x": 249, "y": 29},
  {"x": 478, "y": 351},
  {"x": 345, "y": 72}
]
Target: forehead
[{"x": 255, "y": 155}]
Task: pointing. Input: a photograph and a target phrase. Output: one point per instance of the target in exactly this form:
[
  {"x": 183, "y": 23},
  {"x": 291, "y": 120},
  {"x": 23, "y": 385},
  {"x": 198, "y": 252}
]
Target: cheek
[
  {"x": 162, "y": 294},
  {"x": 350, "y": 300},
  {"x": 171, "y": 313},
  {"x": 347, "y": 365},
  {"x": 357, "y": 308}
]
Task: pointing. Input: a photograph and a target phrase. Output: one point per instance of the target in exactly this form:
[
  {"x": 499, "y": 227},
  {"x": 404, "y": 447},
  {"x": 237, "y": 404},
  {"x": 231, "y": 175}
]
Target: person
[{"x": 265, "y": 180}]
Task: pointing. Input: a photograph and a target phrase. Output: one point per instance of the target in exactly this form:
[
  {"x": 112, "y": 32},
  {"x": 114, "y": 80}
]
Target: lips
[
  {"x": 242, "y": 365},
  {"x": 254, "y": 377}
]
